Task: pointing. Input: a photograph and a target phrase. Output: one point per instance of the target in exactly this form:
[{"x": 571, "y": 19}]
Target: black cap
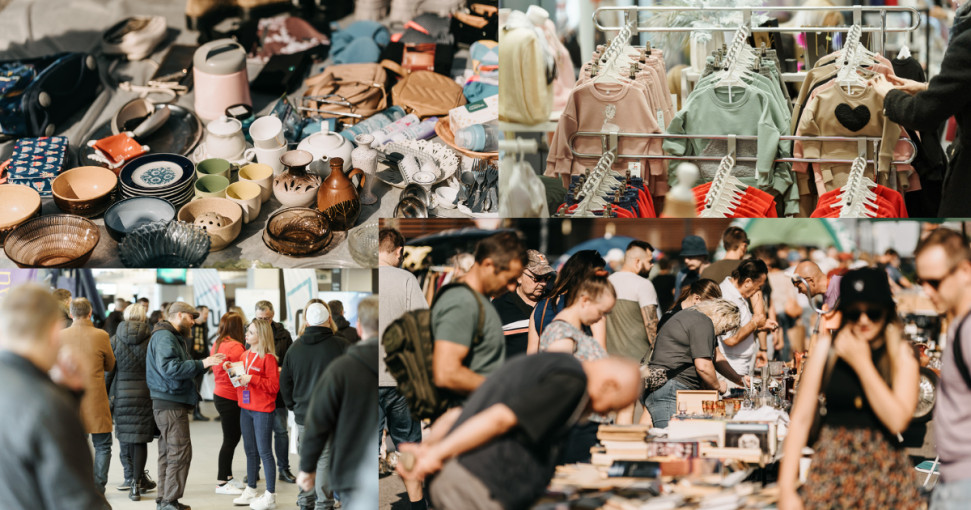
[{"x": 866, "y": 285}]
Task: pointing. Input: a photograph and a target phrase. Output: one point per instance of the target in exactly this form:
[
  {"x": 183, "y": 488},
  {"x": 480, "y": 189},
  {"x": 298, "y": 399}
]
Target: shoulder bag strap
[{"x": 959, "y": 353}]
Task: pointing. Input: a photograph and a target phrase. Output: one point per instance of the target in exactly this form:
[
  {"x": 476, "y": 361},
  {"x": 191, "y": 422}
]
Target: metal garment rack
[
  {"x": 631, "y": 15},
  {"x": 609, "y": 143}
]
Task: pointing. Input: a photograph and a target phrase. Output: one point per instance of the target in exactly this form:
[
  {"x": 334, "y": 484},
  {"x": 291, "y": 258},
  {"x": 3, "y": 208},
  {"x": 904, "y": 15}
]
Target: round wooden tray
[{"x": 444, "y": 131}]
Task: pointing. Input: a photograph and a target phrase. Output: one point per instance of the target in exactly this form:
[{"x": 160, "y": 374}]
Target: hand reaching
[
  {"x": 306, "y": 481},
  {"x": 213, "y": 360},
  {"x": 909, "y": 86}
]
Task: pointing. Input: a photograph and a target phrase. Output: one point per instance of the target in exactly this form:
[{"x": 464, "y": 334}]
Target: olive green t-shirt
[{"x": 455, "y": 317}]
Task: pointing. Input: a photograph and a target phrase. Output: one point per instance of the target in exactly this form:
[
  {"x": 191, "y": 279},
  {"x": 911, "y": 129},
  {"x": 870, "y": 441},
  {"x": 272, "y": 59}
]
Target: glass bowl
[
  {"x": 297, "y": 231},
  {"x": 165, "y": 244},
  {"x": 55, "y": 240},
  {"x": 362, "y": 241}
]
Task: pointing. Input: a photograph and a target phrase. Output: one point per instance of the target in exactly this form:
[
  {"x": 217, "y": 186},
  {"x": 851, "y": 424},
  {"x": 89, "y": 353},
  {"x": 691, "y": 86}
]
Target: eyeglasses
[
  {"x": 539, "y": 278},
  {"x": 935, "y": 283},
  {"x": 874, "y": 314}
]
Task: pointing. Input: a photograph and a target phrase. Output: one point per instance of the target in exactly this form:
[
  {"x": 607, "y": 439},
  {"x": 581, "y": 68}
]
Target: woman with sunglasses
[
  {"x": 580, "y": 265},
  {"x": 869, "y": 394}
]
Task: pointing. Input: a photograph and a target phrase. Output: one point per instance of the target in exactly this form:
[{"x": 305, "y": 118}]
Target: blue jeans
[
  {"x": 954, "y": 495},
  {"x": 663, "y": 402},
  {"x": 257, "y": 431},
  {"x": 393, "y": 412},
  {"x": 281, "y": 440},
  {"x": 102, "y": 458},
  {"x": 321, "y": 497}
]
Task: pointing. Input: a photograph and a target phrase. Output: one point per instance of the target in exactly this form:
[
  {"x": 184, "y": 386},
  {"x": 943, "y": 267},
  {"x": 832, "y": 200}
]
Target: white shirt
[
  {"x": 633, "y": 287},
  {"x": 741, "y": 356}
]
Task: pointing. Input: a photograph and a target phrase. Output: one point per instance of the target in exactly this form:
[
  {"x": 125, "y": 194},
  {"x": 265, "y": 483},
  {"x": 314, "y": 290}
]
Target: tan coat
[{"x": 94, "y": 346}]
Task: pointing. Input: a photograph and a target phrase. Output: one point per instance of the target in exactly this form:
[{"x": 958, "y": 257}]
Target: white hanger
[{"x": 857, "y": 193}]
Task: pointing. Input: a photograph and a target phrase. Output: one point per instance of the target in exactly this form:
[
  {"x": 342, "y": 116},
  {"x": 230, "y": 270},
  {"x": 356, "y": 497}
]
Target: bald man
[
  {"x": 821, "y": 285},
  {"x": 499, "y": 450}
]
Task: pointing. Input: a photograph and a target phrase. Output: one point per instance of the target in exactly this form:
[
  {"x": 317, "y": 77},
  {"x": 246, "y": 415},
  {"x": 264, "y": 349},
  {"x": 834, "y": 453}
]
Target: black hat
[
  {"x": 693, "y": 246},
  {"x": 866, "y": 285}
]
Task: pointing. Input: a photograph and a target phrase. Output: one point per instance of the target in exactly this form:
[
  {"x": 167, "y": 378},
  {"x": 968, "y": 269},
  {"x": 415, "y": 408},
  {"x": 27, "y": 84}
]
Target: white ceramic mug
[
  {"x": 248, "y": 195},
  {"x": 269, "y": 157},
  {"x": 224, "y": 139},
  {"x": 262, "y": 175},
  {"x": 267, "y": 132}
]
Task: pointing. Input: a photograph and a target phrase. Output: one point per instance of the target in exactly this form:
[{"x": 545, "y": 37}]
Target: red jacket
[
  {"x": 264, "y": 385},
  {"x": 234, "y": 352}
]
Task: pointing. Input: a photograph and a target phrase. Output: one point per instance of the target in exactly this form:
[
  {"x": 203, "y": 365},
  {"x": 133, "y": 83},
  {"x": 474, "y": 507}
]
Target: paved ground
[{"x": 199, "y": 493}]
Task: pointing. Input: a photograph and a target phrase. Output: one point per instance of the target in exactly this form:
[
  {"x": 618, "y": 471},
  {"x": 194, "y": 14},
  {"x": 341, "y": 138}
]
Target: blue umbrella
[{"x": 601, "y": 244}]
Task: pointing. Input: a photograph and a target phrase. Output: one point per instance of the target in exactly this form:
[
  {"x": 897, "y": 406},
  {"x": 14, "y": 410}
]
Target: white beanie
[{"x": 317, "y": 314}]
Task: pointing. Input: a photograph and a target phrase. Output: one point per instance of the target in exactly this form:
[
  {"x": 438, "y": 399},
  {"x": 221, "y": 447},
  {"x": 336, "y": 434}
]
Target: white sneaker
[
  {"x": 236, "y": 482},
  {"x": 265, "y": 502},
  {"x": 249, "y": 495},
  {"x": 228, "y": 488}
]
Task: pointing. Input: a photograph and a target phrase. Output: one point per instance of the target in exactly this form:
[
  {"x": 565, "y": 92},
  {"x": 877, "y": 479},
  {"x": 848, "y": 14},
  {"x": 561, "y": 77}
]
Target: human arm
[
  {"x": 801, "y": 420},
  {"x": 170, "y": 364},
  {"x": 741, "y": 333},
  {"x": 599, "y": 330},
  {"x": 109, "y": 354},
  {"x": 532, "y": 338},
  {"x": 442, "y": 425},
  {"x": 893, "y": 406},
  {"x": 286, "y": 385},
  {"x": 706, "y": 372},
  {"x": 268, "y": 379},
  {"x": 723, "y": 367},
  {"x": 322, "y": 414},
  {"x": 649, "y": 314},
  {"x": 449, "y": 371},
  {"x": 946, "y": 93}
]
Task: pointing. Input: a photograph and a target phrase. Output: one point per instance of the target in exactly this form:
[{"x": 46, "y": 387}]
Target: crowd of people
[
  {"x": 595, "y": 338},
  {"x": 138, "y": 374}
]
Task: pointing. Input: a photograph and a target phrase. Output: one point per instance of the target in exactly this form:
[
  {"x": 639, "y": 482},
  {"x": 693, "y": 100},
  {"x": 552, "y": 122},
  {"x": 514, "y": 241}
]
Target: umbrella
[
  {"x": 798, "y": 231},
  {"x": 447, "y": 243}
]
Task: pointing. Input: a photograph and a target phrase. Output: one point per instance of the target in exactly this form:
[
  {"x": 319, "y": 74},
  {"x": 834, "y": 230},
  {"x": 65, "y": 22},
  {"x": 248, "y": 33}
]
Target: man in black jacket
[
  {"x": 306, "y": 360},
  {"x": 46, "y": 461},
  {"x": 281, "y": 440},
  {"x": 344, "y": 328},
  {"x": 346, "y": 397},
  {"x": 170, "y": 372}
]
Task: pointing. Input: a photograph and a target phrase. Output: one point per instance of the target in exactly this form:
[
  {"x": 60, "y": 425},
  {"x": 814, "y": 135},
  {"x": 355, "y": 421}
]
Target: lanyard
[{"x": 249, "y": 364}]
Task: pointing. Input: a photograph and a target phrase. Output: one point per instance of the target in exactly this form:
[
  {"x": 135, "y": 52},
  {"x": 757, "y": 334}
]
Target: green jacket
[{"x": 169, "y": 369}]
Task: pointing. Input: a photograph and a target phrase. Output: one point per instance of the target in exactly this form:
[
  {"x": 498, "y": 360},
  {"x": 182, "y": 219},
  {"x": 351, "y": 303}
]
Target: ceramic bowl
[
  {"x": 154, "y": 173},
  {"x": 18, "y": 203},
  {"x": 297, "y": 231},
  {"x": 127, "y": 215},
  {"x": 445, "y": 197},
  {"x": 85, "y": 191},
  {"x": 221, "y": 218},
  {"x": 165, "y": 244},
  {"x": 55, "y": 240},
  {"x": 362, "y": 241}
]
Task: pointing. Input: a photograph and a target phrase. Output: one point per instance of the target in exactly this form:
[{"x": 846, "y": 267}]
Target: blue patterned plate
[{"x": 157, "y": 172}]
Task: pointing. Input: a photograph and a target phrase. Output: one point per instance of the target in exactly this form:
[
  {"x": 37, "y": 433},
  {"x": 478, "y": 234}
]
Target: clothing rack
[
  {"x": 857, "y": 192},
  {"x": 591, "y": 189},
  {"x": 609, "y": 142},
  {"x": 631, "y": 14},
  {"x": 519, "y": 146},
  {"x": 724, "y": 189}
]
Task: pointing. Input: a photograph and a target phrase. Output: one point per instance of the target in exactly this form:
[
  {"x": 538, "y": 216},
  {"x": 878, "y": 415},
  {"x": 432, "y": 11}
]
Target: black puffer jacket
[{"x": 134, "y": 422}]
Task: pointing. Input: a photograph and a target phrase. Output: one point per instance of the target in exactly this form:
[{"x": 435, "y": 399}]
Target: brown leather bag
[
  {"x": 424, "y": 93},
  {"x": 348, "y": 88}
]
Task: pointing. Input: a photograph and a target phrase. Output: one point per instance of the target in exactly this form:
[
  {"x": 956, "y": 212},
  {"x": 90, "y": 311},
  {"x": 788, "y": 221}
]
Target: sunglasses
[
  {"x": 874, "y": 314},
  {"x": 546, "y": 278},
  {"x": 935, "y": 283}
]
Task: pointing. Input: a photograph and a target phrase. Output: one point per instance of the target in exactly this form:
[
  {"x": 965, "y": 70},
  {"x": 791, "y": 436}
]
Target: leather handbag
[
  {"x": 348, "y": 89},
  {"x": 424, "y": 93}
]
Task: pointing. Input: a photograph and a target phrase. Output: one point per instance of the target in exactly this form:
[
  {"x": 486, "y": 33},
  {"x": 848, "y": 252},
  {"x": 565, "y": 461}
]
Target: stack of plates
[{"x": 166, "y": 176}]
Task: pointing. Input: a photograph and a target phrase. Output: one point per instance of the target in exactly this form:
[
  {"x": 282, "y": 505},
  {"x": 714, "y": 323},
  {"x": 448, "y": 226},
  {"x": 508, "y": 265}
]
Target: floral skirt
[{"x": 859, "y": 468}]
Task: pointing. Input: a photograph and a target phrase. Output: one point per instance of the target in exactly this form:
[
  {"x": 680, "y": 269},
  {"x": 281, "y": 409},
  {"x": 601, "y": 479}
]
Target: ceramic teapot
[
  {"x": 325, "y": 146},
  {"x": 338, "y": 198},
  {"x": 295, "y": 187}
]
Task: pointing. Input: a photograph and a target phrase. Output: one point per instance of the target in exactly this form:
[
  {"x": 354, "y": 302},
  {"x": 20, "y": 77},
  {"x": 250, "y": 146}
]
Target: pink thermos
[{"x": 219, "y": 75}]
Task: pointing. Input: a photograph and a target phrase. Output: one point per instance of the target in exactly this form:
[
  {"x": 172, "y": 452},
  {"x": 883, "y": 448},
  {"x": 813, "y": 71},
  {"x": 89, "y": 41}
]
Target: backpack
[{"x": 408, "y": 345}]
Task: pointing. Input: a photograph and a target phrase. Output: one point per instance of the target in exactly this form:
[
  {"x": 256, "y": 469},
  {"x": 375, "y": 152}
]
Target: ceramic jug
[
  {"x": 295, "y": 187},
  {"x": 338, "y": 198}
]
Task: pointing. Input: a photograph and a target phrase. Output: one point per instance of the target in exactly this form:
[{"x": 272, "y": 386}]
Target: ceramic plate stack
[{"x": 167, "y": 176}]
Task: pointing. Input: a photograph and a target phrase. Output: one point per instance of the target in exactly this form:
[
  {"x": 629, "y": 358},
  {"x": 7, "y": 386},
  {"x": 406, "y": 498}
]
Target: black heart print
[{"x": 853, "y": 119}]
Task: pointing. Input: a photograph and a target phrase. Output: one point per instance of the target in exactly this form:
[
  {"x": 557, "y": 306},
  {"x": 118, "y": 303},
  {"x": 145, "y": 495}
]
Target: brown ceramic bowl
[
  {"x": 297, "y": 231},
  {"x": 85, "y": 191},
  {"x": 18, "y": 203},
  {"x": 221, "y": 218},
  {"x": 55, "y": 240}
]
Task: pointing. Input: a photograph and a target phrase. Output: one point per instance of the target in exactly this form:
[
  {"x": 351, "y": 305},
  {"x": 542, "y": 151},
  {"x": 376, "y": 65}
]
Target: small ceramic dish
[
  {"x": 55, "y": 240},
  {"x": 157, "y": 172},
  {"x": 18, "y": 203},
  {"x": 165, "y": 244},
  {"x": 445, "y": 197},
  {"x": 127, "y": 215},
  {"x": 297, "y": 231},
  {"x": 221, "y": 218},
  {"x": 85, "y": 191}
]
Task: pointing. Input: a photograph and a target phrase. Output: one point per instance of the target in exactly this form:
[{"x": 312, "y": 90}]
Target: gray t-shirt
[
  {"x": 686, "y": 336},
  {"x": 952, "y": 413},
  {"x": 399, "y": 292},
  {"x": 455, "y": 317}
]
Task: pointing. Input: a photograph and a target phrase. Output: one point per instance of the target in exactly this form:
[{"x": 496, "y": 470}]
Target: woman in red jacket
[
  {"x": 229, "y": 341},
  {"x": 259, "y": 385}
]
